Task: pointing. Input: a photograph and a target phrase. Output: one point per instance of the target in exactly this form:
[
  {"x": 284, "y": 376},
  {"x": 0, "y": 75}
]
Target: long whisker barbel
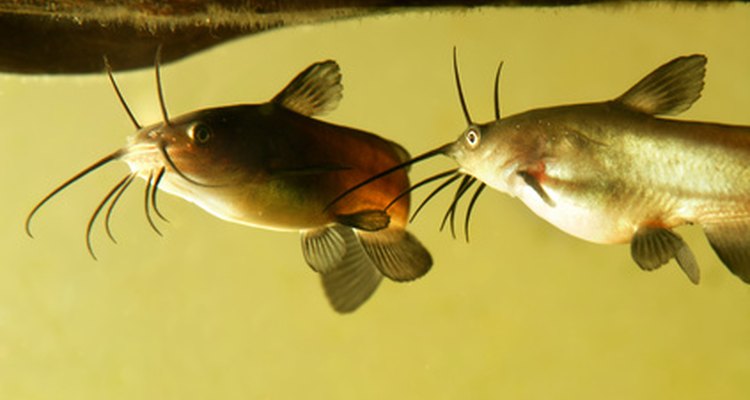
[
  {"x": 470, "y": 208},
  {"x": 420, "y": 184},
  {"x": 105, "y": 160},
  {"x": 99, "y": 208},
  {"x": 465, "y": 181},
  {"x": 170, "y": 162},
  {"x": 114, "y": 201},
  {"x": 465, "y": 185},
  {"x": 433, "y": 193},
  {"x": 124, "y": 104},
  {"x": 154, "y": 190},
  {"x": 461, "y": 98},
  {"x": 424, "y": 156},
  {"x": 159, "y": 89},
  {"x": 146, "y": 204}
]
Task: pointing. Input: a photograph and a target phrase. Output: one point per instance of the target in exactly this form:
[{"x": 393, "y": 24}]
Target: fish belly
[{"x": 587, "y": 221}]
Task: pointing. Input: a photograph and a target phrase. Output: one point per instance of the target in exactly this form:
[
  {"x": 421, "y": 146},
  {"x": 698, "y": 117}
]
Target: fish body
[
  {"x": 270, "y": 167},
  {"x": 608, "y": 169},
  {"x": 273, "y": 166},
  {"x": 617, "y": 172}
]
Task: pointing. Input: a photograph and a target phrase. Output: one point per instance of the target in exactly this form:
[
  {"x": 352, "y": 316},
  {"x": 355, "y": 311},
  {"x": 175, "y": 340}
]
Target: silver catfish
[{"x": 617, "y": 172}]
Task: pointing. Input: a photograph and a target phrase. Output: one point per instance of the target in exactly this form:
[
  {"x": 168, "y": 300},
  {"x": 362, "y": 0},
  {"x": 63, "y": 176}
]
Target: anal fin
[
  {"x": 396, "y": 253},
  {"x": 731, "y": 242},
  {"x": 653, "y": 247},
  {"x": 347, "y": 274}
]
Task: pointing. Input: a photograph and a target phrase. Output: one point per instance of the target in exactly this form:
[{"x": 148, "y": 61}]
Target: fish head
[
  {"x": 484, "y": 151},
  {"x": 202, "y": 147},
  {"x": 487, "y": 152},
  {"x": 207, "y": 156}
]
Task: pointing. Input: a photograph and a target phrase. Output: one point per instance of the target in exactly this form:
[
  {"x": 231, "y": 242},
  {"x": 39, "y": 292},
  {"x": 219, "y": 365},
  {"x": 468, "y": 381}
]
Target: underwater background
[{"x": 218, "y": 310}]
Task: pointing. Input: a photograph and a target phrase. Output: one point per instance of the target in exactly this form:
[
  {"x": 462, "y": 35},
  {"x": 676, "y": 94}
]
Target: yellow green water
[{"x": 216, "y": 310}]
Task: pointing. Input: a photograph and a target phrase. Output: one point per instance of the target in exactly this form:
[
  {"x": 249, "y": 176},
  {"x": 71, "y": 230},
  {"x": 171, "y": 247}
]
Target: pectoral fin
[
  {"x": 368, "y": 220},
  {"x": 731, "y": 241},
  {"x": 316, "y": 90},
  {"x": 670, "y": 89},
  {"x": 533, "y": 182},
  {"x": 653, "y": 247}
]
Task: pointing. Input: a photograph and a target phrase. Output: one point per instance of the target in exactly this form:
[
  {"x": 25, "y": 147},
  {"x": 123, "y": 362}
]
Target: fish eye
[
  {"x": 472, "y": 137},
  {"x": 200, "y": 133}
]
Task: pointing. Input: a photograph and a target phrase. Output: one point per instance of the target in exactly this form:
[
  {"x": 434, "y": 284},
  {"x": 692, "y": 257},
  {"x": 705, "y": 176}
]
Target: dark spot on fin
[
  {"x": 532, "y": 181},
  {"x": 324, "y": 248},
  {"x": 370, "y": 220},
  {"x": 653, "y": 247},
  {"x": 731, "y": 242},
  {"x": 670, "y": 89},
  {"x": 348, "y": 276},
  {"x": 316, "y": 90},
  {"x": 309, "y": 170},
  {"x": 396, "y": 253}
]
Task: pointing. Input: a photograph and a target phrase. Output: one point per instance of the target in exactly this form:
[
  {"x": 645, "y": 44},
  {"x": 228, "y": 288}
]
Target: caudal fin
[
  {"x": 397, "y": 253},
  {"x": 731, "y": 242}
]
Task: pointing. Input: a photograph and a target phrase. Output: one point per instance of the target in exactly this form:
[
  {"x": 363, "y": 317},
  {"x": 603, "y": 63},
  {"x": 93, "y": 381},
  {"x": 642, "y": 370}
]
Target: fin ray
[
  {"x": 653, "y": 247},
  {"x": 316, "y": 90},
  {"x": 397, "y": 253},
  {"x": 324, "y": 248},
  {"x": 731, "y": 242},
  {"x": 670, "y": 89},
  {"x": 353, "y": 280}
]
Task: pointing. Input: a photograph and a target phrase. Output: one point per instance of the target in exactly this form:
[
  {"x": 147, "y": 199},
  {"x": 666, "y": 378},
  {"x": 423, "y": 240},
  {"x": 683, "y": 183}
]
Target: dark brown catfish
[
  {"x": 616, "y": 172},
  {"x": 272, "y": 166}
]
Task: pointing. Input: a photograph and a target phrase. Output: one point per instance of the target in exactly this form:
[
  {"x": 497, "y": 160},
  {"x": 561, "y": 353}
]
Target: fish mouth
[{"x": 451, "y": 175}]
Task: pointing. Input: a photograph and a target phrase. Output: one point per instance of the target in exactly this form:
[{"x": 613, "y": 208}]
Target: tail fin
[
  {"x": 731, "y": 242},
  {"x": 397, "y": 253}
]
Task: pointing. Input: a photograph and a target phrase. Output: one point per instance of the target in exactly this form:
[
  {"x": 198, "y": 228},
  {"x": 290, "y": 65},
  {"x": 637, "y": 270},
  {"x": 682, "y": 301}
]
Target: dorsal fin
[
  {"x": 670, "y": 89},
  {"x": 316, "y": 90}
]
